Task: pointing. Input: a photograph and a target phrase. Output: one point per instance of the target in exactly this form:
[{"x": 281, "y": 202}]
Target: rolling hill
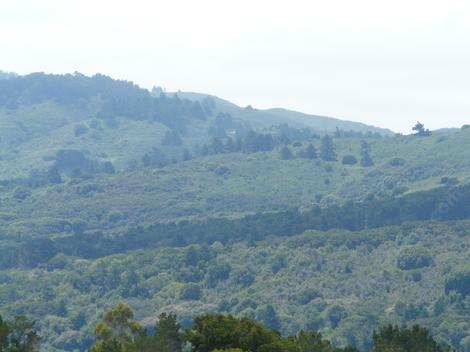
[
  {"x": 268, "y": 117},
  {"x": 188, "y": 203}
]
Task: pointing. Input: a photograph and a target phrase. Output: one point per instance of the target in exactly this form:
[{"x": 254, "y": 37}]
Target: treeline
[
  {"x": 118, "y": 331},
  {"x": 72, "y": 162},
  {"x": 244, "y": 142},
  {"x": 445, "y": 203},
  {"x": 115, "y": 98},
  {"x": 253, "y": 142}
]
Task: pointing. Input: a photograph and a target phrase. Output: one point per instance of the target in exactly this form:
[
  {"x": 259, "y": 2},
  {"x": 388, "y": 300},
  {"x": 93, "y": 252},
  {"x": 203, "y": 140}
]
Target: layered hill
[
  {"x": 186, "y": 202},
  {"x": 119, "y": 122},
  {"x": 267, "y": 117}
]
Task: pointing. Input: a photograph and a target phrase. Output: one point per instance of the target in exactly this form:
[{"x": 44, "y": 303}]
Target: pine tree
[
  {"x": 172, "y": 138},
  {"x": 187, "y": 155},
  {"x": 366, "y": 159},
  {"x": 327, "y": 149},
  {"x": 310, "y": 152},
  {"x": 229, "y": 146},
  {"x": 53, "y": 175},
  {"x": 205, "y": 150},
  {"x": 285, "y": 153},
  {"x": 167, "y": 332},
  {"x": 420, "y": 130},
  {"x": 217, "y": 146}
]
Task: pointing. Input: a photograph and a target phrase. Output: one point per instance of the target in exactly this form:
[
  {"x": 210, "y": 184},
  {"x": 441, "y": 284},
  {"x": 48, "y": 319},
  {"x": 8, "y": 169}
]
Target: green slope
[
  {"x": 41, "y": 114},
  {"x": 250, "y": 183},
  {"x": 344, "y": 283}
]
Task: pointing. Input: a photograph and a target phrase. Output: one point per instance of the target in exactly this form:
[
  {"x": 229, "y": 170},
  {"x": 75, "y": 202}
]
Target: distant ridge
[{"x": 280, "y": 115}]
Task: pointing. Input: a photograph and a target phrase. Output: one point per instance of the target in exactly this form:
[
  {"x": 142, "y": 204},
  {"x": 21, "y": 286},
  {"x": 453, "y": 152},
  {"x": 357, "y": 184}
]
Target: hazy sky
[{"x": 386, "y": 63}]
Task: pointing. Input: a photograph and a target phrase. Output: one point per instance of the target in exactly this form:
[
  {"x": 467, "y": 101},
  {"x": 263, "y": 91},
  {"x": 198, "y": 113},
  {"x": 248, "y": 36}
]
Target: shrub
[
  {"x": 389, "y": 183},
  {"x": 459, "y": 281},
  {"x": 396, "y": 162},
  {"x": 190, "y": 292},
  {"x": 89, "y": 188},
  {"x": 115, "y": 215},
  {"x": 80, "y": 129},
  {"x": 68, "y": 159},
  {"x": 222, "y": 170},
  {"x": 285, "y": 153},
  {"x": 218, "y": 272},
  {"x": 413, "y": 258},
  {"x": 349, "y": 160},
  {"x": 307, "y": 295},
  {"x": 243, "y": 277},
  {"x": 335, "y": 314},
  {"x": 172, "y": 138},
  {"x": 268, "y": 316},
  {"x": 278, "y": 263},
  {"x": 107, "y": 167},
  {"x": 95, "y": 124},
  {"x": 21, "y": 193},
  {"x": 79, "y": 226},
  {"x": 449, "y": 181}
]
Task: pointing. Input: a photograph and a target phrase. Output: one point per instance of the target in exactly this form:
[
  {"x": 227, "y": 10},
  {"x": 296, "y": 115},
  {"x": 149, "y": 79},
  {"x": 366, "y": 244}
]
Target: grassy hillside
[
  {"x": 114, "y": 121},
  {"x": 249, "y": 183}
]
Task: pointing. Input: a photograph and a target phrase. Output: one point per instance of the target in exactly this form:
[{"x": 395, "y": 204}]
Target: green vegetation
[
  {"x": 188, "y": 204},
  {"x": 218, "y": 332},
  {"x": 118, "y": 332},
  {"x": 343, "y": 283},
  {"x": 18, "y": 335}
]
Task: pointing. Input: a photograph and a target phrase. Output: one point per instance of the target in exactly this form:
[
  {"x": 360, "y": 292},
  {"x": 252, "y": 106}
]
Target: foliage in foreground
[
  {"x": 118, "y": 332},
  {"x": 18, "y": 335}
]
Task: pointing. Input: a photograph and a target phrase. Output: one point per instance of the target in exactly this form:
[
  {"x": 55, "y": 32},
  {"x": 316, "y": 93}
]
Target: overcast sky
[{"x": 386, "y": 63}]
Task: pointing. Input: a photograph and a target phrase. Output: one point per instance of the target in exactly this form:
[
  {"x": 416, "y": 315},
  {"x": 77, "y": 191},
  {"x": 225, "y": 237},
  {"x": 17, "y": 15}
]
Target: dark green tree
[
  {"x": 285, "y": 153},
  {"x": 312, "y": 341},
  {"x": 338, "y": 133},
  {"x": 172, "y": 138},
  {"x": 117, "y": 331},
  {"x": 349, "y": 160},
  {"x": 190, "y": 292},
  {"x": 366, "y": 159},
  {"x": 18, "y": 335},
  {"x": 420, "y": 130},
  {"x": 327, "y": 149},
  {"x": 414, "y": 258},
  {"x": 268, "y": 316},
  {"x": 459, "y": 281},
  {"x": 205, "y": 150},
  {"x": 217, "y": 331},
  {"x": 53, "y": 175},
  {"x": 217, "y": 146},
  {"x": 187, "y": 155},
  {"x": 310, "y": 152},
  {"x": 393, "y": 338},
  {"x": 167, "y": 332}
]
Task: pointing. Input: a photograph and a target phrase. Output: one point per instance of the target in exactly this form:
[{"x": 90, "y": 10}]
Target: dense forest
[
  {"x": 442, "y": 203},
  {"x": 270, "y": 230}
]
